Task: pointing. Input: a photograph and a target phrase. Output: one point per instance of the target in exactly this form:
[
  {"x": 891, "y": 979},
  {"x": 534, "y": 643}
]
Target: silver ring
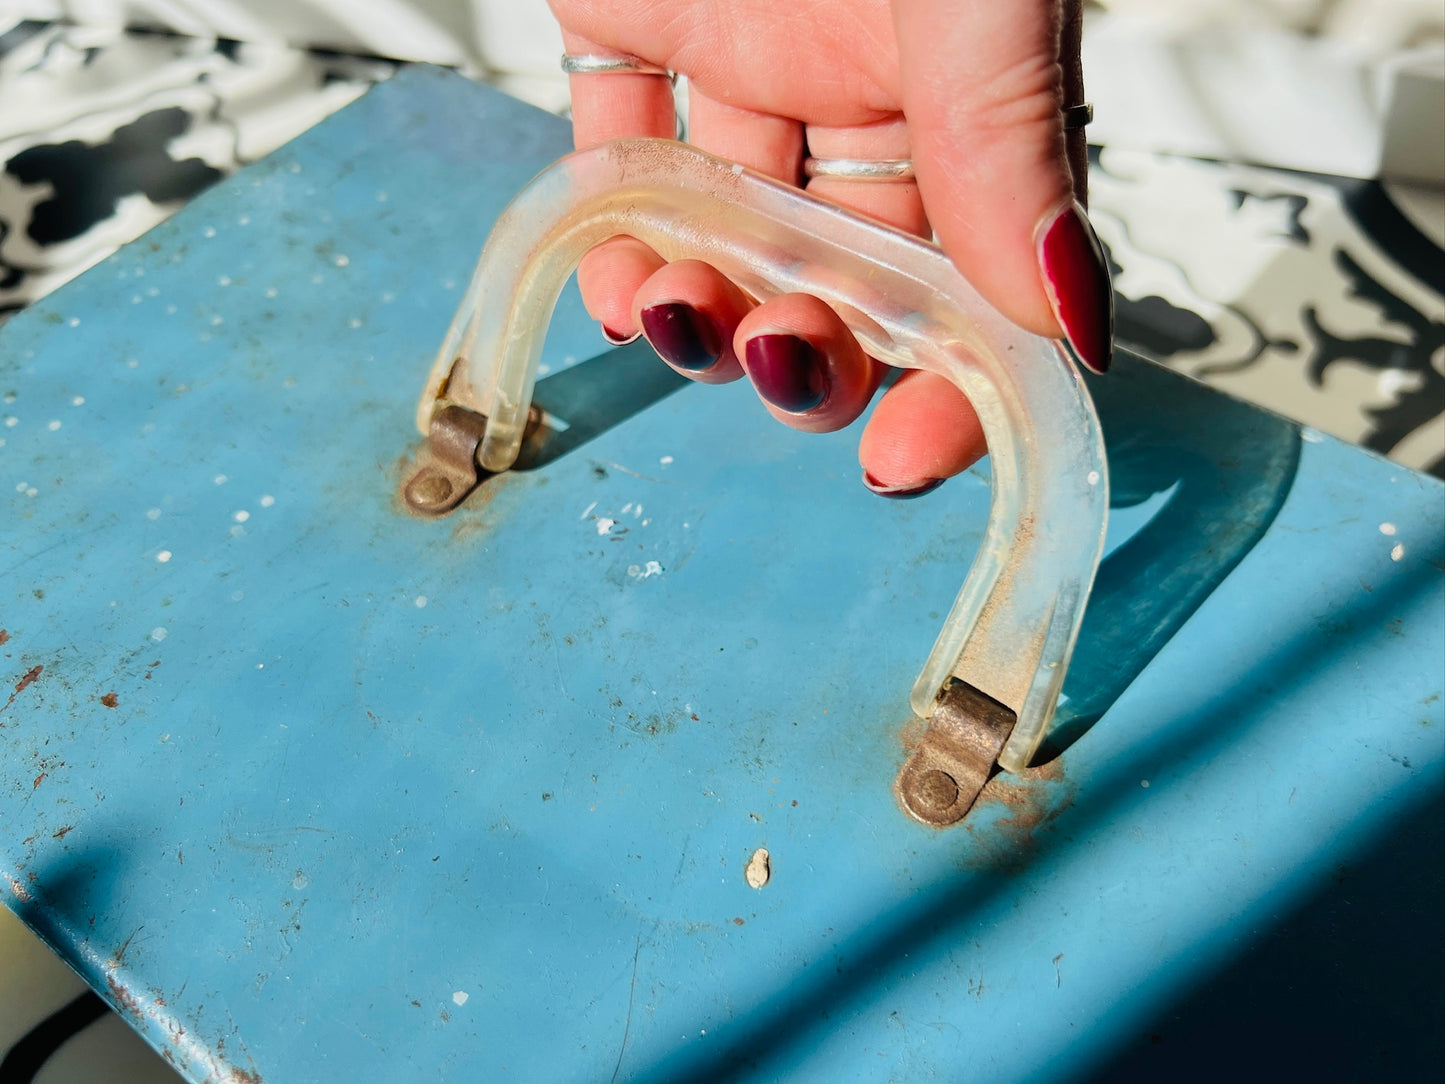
[
  {"x": 860, "y": 169},
  {"x": 594, "y": 64},
  {"x": 1076, "y": 116}
]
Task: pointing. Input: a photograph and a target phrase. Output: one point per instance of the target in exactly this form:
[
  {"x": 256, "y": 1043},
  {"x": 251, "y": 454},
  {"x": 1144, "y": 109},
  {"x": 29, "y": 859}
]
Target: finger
[
  {"x": 611, "y": 106},
  {"x": 608, "y": 277},
  {"x": 1076, "y": 140},
  {"x": 982, "y": 88},
  {"x": 760, "y": 141},
  {"x": 806, "y": 366},
  {"x": 922, "y": 431},
  {"x": 690, "y": 313},
  {"x": 897, "y": 203}
]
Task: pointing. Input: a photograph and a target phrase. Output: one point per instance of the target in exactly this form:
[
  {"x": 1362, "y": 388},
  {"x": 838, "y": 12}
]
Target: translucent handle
[{"x": 1011, "y": 631}]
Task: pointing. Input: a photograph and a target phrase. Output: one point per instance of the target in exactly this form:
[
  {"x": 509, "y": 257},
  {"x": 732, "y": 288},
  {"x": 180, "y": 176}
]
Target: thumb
[{"x": 983, "y": 86}]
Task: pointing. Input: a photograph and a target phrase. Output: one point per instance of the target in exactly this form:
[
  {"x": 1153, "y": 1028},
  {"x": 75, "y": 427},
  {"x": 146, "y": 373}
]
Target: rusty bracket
[
  {"x": 949, "y": 767},
  {"x": 447, "y": 467}
]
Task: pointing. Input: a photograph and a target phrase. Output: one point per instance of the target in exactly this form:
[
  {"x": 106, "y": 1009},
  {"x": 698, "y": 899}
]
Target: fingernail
[
  {"x": 1077, "y": 277},
  {"x": 616, "y": 338},
  {"x": 787, "y": 371},
  {"x": 682, "y": 336},
  {"x": 901, "y": 493}
]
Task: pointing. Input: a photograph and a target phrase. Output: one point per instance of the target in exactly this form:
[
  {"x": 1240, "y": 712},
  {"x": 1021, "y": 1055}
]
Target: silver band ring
[
  {"x": 860, "y": 169},
  {"x": 1076, "y": 116},
  {"x": 594, "y": 64}
]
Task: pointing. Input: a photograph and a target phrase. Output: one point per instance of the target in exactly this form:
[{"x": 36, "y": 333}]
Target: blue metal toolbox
[{"x": 593, "y": 779}]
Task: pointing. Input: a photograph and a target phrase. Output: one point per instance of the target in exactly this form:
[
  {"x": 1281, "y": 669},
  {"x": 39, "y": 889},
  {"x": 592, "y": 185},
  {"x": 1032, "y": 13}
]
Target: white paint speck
[
  {"x": 759, "y": 870},
  {"x": 153, "y": 513},
  {"x": 342, "y": 261},
  {"x": 642, "y": 572},
  {"x": 1310, "y": 436},
  {"x": 237, "y": 596},
  {"x": 420, "y": 601},
  {"x": 588, "y": 510},
  {"x": 317, "y": 279},
  {"x": 1387, "y": 529},
  {"x": 449, "y": 284},
  {"x": 260, "y": 666},
  {"x": 153, "y": 291},
  {"x": 604, "y": 524},
  {"x": 666, "y": 461},
  {"x": 217, "y": 321},
  {"x": 271, "y": 291},
  {"x": 32, "y": 491},
  {"x": 626, "y": 508},
  {"x": 159, "y": 633},
  {"x": 9, "y": 398},
  {"x": 388, "y": 297},
  {"x": 1398, "y": 552},
  {"x": 79, "y": 400},
  {"x": 242, "y": 516},
  {"x": 11, "y": 422},
  {"x": 224, "y": 280},
  {"x": 220, "y": 479},
  {"x": 244, "y": 220},
  {"x": 237, "y": 531},
  {"x": 267, "y": 501},
  {"x": 1144, "y": 783},
  {"x": 543, "y": 369},
  {"x": 170, "y": 311},
  {"x": 1093, "y": 478},
  {"x": 136, "y": 299},
  {"x": 75, "y": 321},
  {"x": 53, "y": 425},
  {"x": 20, "y": 488},
  {"x": 460, "y": 997},
  {"x": 209, "y": 231},
  {"x": 300, "y": 880},
  {"x": 382, "y": 197},
  {"x": 354, "y": 322},
  {"x": 163, "y": 556},
  {"x": 646, "y": 522}
]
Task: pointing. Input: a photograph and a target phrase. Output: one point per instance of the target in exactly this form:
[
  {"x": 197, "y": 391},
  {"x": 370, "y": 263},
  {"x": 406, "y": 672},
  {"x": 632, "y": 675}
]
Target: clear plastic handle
[{"x": 1012, "y": 629}]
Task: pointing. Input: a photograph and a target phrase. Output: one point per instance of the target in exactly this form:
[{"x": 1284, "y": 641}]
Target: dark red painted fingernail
[
  {"x": 787, "y": 371},
  {"x": 682, "y": 336},
  {"x": 1077, "y": 277},
  {"x": 901, "y": 493},
  {"x": 616, "y": 338}
]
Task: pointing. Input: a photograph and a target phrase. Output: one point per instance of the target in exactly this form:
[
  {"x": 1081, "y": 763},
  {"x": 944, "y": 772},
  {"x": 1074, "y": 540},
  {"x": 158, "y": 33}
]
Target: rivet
[
  {"x": 429, "y": 489},
  {"x": 932, "y": 793}
]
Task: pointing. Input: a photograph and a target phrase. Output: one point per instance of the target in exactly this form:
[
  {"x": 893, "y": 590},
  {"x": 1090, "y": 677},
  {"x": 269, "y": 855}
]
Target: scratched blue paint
[{"x": 388, "y": 799}]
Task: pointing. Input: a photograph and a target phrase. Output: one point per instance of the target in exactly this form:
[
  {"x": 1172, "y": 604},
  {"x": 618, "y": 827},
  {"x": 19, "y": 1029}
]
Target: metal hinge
[
  {"x": 446, "y": 471},
  {"x": 966, "y": 733}
]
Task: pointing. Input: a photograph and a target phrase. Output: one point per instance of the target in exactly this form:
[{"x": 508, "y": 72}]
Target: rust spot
[
  {"x": 39, "y": 779},
  {"x": 1011, "y": 812},
  {"x": 110, "y": 700},
  {"x": 4, "y": 637},
  {"x": 738, "y": 922},
  {"x": 63, "y": 832},
  {"x": 21, "y": 685}
]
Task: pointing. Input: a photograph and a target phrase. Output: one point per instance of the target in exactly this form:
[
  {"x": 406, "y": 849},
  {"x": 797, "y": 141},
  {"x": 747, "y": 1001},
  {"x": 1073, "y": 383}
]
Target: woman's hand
[{"x": 971, "y": 90}]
